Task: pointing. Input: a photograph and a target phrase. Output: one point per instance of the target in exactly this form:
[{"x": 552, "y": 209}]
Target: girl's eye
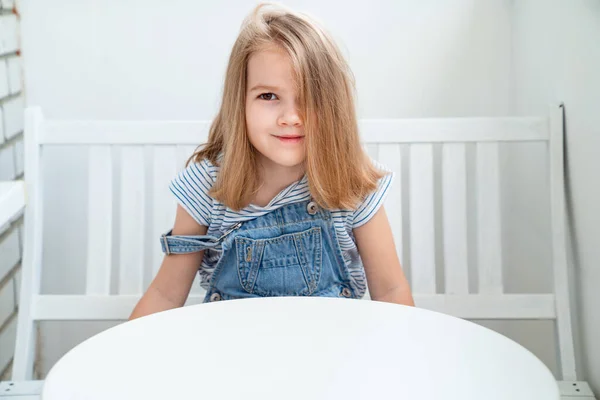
[{"x": 268, "y": 96}]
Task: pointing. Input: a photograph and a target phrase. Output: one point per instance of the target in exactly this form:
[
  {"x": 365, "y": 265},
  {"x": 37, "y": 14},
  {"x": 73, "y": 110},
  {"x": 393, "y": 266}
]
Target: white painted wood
[
  {"x": 100, "y": 215},
  {"x": 132, "y": 225},
  {"x": 391, "y": 156},
  {"x": 422, "y": 237},
  {"x": 12, "y": 200},
  {"x": 182, "y": 155},
  {"x": 577, "y": 398},
  {"x": 579, "y": 390},
  {"x": 489, "y": 243},
  {"x": 127, "y": 132},
  {"x": 163, "y": 211},
  {"x": 454, "y": 201},
  {"x": 372, "y": 150},
  {"x": 473, "y": 306},
  {"x": 373, "y": 131},
  {"x": 479, "y": 306},
  {"x": 172, "y": 142},
  {"x": 25, "y": 397},
  {"x": 25, "y": 346},
  {"x": 22, "y": 390},
  {"x": 86, "y": 307},
  {"x": 445, "y": 130},
  {"x": 559, "y": 253}
]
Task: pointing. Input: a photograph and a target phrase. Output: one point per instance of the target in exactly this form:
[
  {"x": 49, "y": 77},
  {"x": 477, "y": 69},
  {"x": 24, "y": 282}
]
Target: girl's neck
[{"x": 274, "y": 178}]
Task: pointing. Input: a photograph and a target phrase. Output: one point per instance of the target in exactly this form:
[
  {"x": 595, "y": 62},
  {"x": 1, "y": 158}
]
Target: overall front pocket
[{"x": 286, "y": 265}]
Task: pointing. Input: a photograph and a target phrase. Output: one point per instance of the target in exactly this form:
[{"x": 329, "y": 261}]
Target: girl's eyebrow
[{"x": 265, "y": 87}]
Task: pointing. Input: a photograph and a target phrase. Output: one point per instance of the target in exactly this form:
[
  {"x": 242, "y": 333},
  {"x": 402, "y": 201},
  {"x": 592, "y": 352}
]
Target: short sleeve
[
  {"x": 373, "y": 202},
  {"x": 191, "y": 187}
]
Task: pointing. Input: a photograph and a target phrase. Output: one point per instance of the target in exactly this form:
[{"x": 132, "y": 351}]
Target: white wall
[
  {"x": 142, "y": 59},
  {"x": 153, "y": 60},
  {"x": 557, "y": 58}
]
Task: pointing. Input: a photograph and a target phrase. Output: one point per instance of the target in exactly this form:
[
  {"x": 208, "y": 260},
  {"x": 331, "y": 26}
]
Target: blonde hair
[{"x": 340, "y": 174}]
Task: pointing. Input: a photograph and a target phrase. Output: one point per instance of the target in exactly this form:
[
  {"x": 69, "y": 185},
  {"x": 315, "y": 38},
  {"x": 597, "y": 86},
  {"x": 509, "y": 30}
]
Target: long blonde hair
[{"x": 339, "y": 172}]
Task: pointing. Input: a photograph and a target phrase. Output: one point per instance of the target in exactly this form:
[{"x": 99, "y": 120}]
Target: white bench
[{"x": 405, "y": 145}]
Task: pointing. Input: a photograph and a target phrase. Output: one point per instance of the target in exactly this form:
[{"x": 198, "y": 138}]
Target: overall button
[
  {"x": 346, "y": 292},
  {"x": 312, "y": 208},
  {"x": 215, "y": 297}
]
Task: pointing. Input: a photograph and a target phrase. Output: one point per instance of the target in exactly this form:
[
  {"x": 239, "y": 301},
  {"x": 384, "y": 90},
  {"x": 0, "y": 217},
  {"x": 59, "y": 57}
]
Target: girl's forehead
[{"x": 270, "y": 67}]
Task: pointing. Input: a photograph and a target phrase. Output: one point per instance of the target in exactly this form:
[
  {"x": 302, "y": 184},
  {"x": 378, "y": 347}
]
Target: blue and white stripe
[{"x": 191, "y": 187}]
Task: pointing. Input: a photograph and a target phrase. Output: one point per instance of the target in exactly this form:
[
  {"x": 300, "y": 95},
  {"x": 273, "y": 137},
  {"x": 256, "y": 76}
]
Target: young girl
[{"x": 282, "y": 200}]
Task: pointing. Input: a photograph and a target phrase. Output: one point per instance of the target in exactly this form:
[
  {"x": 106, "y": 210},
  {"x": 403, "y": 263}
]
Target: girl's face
[{"x": 274, "y": 125}]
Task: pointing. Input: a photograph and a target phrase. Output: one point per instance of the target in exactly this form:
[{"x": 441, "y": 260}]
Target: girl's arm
[
  {"x": 377, "y": 250},
  {"x": 171, "y": 286}
]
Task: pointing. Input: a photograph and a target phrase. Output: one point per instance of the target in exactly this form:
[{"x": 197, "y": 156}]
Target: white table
[
  {"x": 12, "y": 201},
  {"x": 299, "y": 348}
]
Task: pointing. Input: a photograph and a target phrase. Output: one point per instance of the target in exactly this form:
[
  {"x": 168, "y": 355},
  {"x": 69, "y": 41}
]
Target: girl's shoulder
[
  {"x": 191, "y": 188},
  {"x": 206, "y": 167},
  {"x": 369, "y": 206}
]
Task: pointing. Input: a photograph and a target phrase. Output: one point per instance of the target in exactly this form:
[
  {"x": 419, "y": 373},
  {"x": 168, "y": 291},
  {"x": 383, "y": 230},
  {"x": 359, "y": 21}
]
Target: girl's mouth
[{"x": 290, "y": 139}]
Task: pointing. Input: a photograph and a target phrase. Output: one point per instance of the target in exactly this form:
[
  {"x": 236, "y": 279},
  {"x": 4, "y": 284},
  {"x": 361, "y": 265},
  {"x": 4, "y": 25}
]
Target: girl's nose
[{"x": 290, "y": 118}]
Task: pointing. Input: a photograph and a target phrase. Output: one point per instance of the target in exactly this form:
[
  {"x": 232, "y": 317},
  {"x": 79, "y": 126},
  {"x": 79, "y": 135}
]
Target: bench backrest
[{"x": 131, "y": 163}]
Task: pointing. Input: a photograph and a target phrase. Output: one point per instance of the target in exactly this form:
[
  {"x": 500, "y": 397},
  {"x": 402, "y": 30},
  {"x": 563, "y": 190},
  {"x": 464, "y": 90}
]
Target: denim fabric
[{"x": 291, "y": 251}]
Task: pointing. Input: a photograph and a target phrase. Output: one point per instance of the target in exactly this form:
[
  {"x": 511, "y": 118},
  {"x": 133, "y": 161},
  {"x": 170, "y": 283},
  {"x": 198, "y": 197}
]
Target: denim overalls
[{"x": 291, "y": 251}]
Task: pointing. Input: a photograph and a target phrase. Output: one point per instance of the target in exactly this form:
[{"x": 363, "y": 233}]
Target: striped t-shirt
[{"x": 191, "y": 187}]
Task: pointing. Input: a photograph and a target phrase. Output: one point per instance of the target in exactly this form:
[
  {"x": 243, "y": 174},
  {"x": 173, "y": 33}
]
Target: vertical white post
[
  {"x": 25, "y": 347},
  {"x": 559, "y": 252}
]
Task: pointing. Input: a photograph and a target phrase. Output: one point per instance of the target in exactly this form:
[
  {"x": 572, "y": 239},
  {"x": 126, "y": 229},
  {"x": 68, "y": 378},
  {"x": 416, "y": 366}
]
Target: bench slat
[
  {"x": 372, "y": 150},
  {"x": 100, "y": 192},
  {"x": 132, "y": 222},
  {"x": 471, "y": 306},
  {"x": 489, "y": 243},
  {"x": 422, "y": 238},
  {"x": 173, "y": 141},
  {"x": 454, "y": 194}
]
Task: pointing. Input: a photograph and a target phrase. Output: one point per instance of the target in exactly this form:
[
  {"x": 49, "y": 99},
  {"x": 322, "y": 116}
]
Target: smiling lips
[{"x": 290, "y": 139}]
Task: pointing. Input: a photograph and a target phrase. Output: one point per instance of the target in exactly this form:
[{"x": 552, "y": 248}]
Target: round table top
[{"x": 299, "y": 348}]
